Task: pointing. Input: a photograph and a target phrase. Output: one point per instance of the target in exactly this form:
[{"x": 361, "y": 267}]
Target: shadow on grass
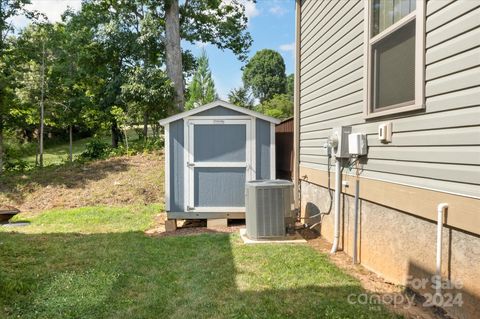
[
  {"x": 76, "y": 175},
  {"x": 129, "y": 275}
]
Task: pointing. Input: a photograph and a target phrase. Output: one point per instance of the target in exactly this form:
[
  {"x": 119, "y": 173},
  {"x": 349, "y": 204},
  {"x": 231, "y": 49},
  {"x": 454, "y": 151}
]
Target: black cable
[{"x": 329, "y": 188}]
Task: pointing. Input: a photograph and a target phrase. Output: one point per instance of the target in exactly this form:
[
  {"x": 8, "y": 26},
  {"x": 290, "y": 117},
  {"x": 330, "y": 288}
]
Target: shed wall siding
[
  {"x": 262, "y": 133},
  {"x": 177, "y": 177},
  {"x": 219, "y": 111},
  {"x": 436, "y": 148},
  {"x": 177, "y": 170}
]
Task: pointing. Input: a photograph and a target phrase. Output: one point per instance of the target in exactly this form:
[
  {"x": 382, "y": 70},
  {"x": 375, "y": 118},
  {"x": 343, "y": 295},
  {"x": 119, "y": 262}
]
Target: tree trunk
[
  {"x": 38, "y": 147},
  {"x": 126, "y": 139},
  {"x": 115, "y": 134},
  {"x": 173, "y": 51},
  {"x": 145, "y": 126},
  {"x": 42, "y": 105},
  {"x": 70, "y": 148}
]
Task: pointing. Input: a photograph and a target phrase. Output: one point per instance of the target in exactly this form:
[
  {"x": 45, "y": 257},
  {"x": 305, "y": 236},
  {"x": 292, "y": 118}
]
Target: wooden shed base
[
  {"x": 205, "y": 215},
  {"x": 170, "y": 225},
  {"x": 217, "y": 223}
]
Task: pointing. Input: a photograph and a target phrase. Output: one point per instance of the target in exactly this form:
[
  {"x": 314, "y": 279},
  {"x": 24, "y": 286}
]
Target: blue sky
[{"x": 271, "y": 24}]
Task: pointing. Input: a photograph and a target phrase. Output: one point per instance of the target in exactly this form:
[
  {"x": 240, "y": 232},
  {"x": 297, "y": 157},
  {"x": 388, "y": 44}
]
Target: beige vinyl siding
[{"x": 436, "y": 148}]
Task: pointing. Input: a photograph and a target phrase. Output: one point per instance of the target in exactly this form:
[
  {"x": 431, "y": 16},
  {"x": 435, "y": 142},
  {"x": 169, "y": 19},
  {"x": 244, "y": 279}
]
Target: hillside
[{"x": 116, "y": 181}]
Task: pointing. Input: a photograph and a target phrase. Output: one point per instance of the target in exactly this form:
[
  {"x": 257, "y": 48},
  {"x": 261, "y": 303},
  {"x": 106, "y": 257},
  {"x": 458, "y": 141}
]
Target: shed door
[{"x": 218, "y": 163}]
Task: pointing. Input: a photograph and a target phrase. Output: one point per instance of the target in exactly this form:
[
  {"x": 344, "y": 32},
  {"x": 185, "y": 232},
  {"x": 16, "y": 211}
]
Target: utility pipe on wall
[
  {"x": 441, "y": 208},
  {"x": 355, "y": 221},
  {"x": 338, "y": 192}
]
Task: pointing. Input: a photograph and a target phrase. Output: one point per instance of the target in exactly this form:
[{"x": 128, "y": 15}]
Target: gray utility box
[{"x": 268, "y": 205}]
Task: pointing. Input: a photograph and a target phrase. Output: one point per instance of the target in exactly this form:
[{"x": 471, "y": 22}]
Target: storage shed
[{"x": 210, "y": 153}]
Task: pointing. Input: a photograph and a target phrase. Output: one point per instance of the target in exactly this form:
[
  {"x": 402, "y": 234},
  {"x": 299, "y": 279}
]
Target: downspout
[
  {"x": 441, "y": 208},
  {"x": 338, "y": 192},
  {"x": 296, "y": 111},
  {"x": 355, "y": 221}
]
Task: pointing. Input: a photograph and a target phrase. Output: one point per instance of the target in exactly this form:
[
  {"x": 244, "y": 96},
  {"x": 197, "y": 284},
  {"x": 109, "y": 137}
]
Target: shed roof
[{"x": 215, "y": 104}]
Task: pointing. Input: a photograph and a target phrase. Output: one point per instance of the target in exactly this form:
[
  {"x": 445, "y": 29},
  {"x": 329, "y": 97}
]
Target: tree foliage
[
  {"x": 241, "y": 97},
  {"x": 265, "y": 75},
  {"x": 291, "y": 86},
  {"x": 202, "y": 87},
  {"x": 107, "y": 63},
  {"x": 148, "y": 94},
  {"x": 221, "y": 23},
  {"x": 279, "y": 106},
  {"x": 8, "y": 10}
]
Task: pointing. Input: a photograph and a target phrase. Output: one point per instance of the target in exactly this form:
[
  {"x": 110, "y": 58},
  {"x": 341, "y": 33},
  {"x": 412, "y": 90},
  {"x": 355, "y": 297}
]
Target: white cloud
[
  {"x": 278, "y": 10},
  {"x": 251, "y": 10},
  {"x": 53, "y": 9},
  {"x": 288, "y": 47}
]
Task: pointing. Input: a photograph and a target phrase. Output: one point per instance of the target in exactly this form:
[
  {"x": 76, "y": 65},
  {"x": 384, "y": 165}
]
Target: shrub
[
  {"x": 17, "y": 166},
  {"x": 95, "y": 149}
]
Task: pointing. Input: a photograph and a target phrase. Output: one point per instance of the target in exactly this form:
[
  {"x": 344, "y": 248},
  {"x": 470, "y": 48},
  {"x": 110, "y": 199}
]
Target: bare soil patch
[
  {"x": 114, "y": 182},
  {"x": 191, "y": 227}
]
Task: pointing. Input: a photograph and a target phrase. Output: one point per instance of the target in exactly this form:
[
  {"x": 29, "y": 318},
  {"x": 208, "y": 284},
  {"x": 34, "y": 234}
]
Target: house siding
[{"x": 436, "y": 148}]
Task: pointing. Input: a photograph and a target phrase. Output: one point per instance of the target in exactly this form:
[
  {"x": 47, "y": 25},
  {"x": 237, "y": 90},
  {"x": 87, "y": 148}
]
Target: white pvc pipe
[
  {"x": 338, "y": 191},
  {"x": 438, "y": 270}
]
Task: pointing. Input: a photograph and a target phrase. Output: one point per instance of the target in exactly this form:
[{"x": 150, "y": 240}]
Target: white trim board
[
  {"x": 215, "y": 104},
  {"x": 166, "y": 156},
  {"x": 368, "y": 96},
  {"x": 273, "y": 158},
  {"x": 186, "y": 174},
  {"x": 189, "y": 189}
]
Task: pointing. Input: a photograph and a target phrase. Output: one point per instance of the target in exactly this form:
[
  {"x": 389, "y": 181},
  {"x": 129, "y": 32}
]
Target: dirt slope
[{"x": 116, "y": 181}]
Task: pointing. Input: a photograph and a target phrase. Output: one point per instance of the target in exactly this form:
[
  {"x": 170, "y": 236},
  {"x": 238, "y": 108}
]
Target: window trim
[{"x": 419, "y": 16}]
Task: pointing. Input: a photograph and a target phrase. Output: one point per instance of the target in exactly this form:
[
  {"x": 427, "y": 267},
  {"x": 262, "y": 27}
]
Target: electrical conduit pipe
[
  {"x": 441, "y": 208},
  {"x": 338, "y": 192}
]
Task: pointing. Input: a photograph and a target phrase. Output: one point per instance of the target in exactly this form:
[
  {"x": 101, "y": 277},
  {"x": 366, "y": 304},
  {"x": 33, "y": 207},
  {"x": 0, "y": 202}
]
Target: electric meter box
[
  {"x": 357, "y": 144},
  {"x": 340, "y": 149}
]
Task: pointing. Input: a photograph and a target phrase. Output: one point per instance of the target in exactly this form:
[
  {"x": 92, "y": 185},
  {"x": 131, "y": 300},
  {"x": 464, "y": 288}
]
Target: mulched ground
[{"x": 191, "y": 227}]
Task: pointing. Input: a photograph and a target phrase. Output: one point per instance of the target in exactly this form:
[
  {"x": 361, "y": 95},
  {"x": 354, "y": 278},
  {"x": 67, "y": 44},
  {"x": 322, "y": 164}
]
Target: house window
[{"x": 394, "y": 56}]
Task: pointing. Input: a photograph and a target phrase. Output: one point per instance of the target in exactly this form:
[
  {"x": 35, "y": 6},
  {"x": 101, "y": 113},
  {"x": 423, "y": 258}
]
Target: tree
[
  {"x": 264, "y": 74},
  {"x": 149, "y": 94},
  {"x": 68, "y": 91},
  {"x": 8, "y": 10},
  {"x": 279, "y": 106},
  {"x": 222, "y": 23},
  {"x": 115, "y": 41},
  {"x": 202, "y": 88},
  {"x": 122, "y": 120},
  {"x": 126, "y": 34},
  {"x": 291, "y": 86},
  {"x": 241, "y": 97},
  {"x": 173, "y": 50}
]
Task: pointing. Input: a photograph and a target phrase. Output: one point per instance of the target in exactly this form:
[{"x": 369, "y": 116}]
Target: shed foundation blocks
[
  {"x": 217, "y": 223},
  {"x": 170, "y": 225}
]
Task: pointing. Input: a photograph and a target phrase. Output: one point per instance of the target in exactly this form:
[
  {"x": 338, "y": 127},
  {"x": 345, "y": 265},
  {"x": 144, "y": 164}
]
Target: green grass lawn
[
  {"x": 58, "y": 154},
  {"x": 97, "y": 263}
]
